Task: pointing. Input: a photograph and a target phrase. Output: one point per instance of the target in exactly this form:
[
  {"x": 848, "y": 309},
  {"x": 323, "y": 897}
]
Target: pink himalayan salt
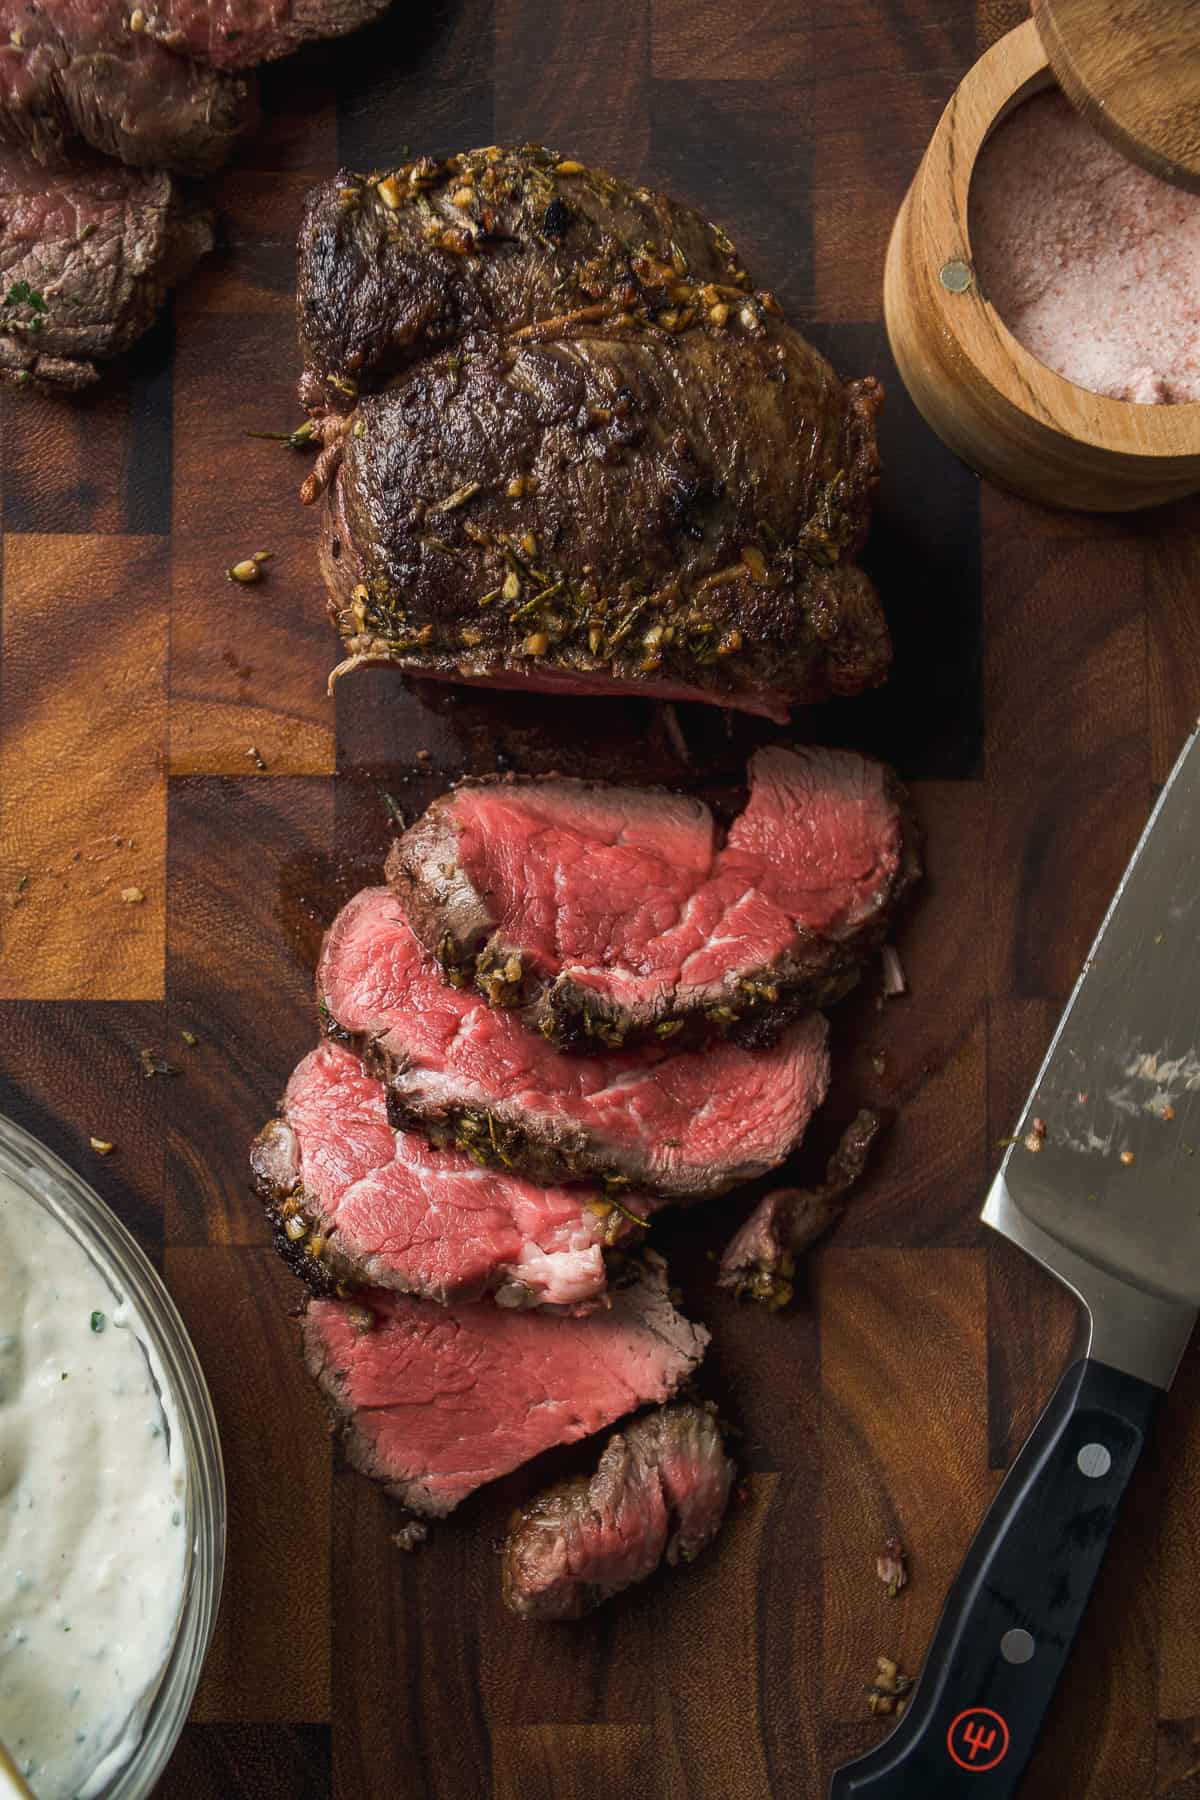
[{"x": 1092, "y": 263}]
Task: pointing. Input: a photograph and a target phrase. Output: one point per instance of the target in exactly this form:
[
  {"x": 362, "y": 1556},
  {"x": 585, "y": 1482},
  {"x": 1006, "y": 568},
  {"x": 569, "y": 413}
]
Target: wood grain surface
[{"x": 1048, "y": 667}]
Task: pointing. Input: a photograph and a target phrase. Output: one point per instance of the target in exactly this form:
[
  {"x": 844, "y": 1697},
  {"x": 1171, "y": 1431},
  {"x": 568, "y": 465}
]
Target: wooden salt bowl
[{"x": 995, "y": 405}]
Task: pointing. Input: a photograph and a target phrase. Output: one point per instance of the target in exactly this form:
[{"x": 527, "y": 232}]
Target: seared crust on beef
[
  {"x": 601, "y": 462},
  {"x": 661, "y": 1489},
  {"x": 382, "y": 286},
  {"x": 623, "y": 868}
]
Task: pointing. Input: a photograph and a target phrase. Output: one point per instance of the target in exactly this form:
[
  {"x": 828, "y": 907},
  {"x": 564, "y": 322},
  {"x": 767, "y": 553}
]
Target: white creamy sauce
[{"x": 93, "y": 1535}]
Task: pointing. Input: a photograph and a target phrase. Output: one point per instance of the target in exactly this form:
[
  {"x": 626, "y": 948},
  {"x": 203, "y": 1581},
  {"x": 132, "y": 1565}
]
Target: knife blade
[{"x": 1101, "y": 1183}]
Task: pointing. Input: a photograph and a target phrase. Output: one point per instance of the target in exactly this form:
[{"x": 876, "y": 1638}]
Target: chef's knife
[{"x": 1101, "y": 1184}]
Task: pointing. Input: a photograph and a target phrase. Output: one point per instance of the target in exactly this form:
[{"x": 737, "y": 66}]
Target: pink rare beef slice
[{"x": 464, "y": 1073}]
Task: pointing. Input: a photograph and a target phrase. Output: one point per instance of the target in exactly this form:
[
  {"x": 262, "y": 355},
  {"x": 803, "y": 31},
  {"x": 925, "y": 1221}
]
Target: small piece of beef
[
  {"x": 355, "y": 1201},
  {"x": 73, "y": 71},
  {"x": 601, "y": 463},
  {"x": 661, "y": 1488},
  {"x": 86, "y": 258},
  {"x": 464, "y": 1073},
  {"x": 238, "y": 34},
  {"x": 435, "y": 1401},
  {"x": 606, "y": 912},
  {"x": 760, "y": 1259}
]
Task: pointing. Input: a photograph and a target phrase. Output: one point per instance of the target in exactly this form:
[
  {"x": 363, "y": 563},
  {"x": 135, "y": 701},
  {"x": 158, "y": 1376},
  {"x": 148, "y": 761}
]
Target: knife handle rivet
[
  {"x": 1094, "y": 1461},
  {"x": 1017, "y": 1646}
]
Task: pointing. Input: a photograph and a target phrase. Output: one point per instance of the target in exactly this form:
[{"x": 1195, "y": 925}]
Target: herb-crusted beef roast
[
  {"x": 74, "y": 72},
  {"x": 354, "y": 1200},
  {"x": 86, "y": 258},
  {"x": 467, "y": 1074},
  {"x": 436, "y": 1401},
  {"x": 607, "y": 911},
  {"x": 661, "y": 1489},
  {"x": 567, "y": 445}
]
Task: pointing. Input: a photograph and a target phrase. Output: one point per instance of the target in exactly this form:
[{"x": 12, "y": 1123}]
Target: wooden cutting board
[{"x": 1047, "y": 670}]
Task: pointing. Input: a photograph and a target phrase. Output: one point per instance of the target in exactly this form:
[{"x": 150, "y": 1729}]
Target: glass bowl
[{"x": 124, "y": 1266}]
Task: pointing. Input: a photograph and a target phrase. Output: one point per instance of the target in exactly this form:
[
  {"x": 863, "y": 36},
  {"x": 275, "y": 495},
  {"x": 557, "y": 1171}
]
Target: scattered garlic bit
[
  {"x": 893, "y": 975},
  {"x": 410, "y": 1535},
  {"x": 101, "y": 1146},
  {"x": 569, "y": 168},
  {"x": 536, "y": 644},
  {"x": 137, "y": 19},
  {"x": 1033, "y": 1142},
  {"x": 389, "y": 192},
  {"x": 245, "y": 571},
  {"x": 891, "y": 1566},
  {"x": 255, "y": 755},
  {"x": 132, "y": 896},
  {"x": 1127, "y": 1157},
  {"x": 886, "y": 1693}
]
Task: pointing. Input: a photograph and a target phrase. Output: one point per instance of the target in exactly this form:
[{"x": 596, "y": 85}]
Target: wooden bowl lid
[{"x": 1132, "y": 69}]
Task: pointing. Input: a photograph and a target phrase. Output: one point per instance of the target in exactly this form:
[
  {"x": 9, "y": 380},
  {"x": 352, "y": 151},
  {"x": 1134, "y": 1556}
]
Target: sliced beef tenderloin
[
  {"x": 606, "y": 913},
  {"x": 760, "y": 1259},
  {"x": 238, "y": 34},
  {"x": 436, "y": 1401},
  {"x": 600, "y": 462},
  {"x": 76, "y": 72},
  {"x": 665, "y": 1121},
  {"x": 661, "y": 1489},
  {"x": 86, "y": 258},
  {"x": 355, "y": 1201}
]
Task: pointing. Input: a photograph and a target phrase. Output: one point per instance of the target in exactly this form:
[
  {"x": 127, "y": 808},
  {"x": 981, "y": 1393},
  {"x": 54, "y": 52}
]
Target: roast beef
[
  {"x": 760, "y": 1259},
  {"x": 606, "y": 912},
  {"x": 355, "y": 1201},
  {"x": 237, "y": 34},
  {"x": 466, "y": 1074},
  {"x": 86, "y": 257},
  {"x": 74, "y": 71},
  {"x": 661, "y": 1488},
  {"x": 599, "y": 460},
  {"x": 435, "y": 1401}
]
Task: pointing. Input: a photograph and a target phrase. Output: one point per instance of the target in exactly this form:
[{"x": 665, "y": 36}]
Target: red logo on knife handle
[{"x": 978, "y": 1739}]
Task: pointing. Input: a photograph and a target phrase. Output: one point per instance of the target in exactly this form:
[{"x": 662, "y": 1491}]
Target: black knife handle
[{"x": 1011, "y": 1617}]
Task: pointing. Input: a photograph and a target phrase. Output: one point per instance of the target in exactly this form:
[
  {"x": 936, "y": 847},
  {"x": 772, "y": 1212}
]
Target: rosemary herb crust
[{"x": 569, "y": 445}]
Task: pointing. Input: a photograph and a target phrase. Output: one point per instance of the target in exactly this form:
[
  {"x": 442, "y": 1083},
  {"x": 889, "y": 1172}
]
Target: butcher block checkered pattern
[{"x": 166, "y": 730}]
